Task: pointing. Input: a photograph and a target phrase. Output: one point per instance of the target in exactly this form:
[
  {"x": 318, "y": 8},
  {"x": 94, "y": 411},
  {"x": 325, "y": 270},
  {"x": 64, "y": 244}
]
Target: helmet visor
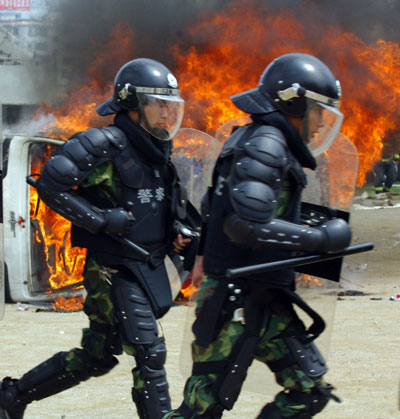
[
  {"x": 161, "y": 115},
  {"x": 321, "y": 124}
]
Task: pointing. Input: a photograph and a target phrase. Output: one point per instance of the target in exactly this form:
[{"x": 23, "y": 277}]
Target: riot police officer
[
  {"x": 252, "y": 213},
  {"x": 119, "y": 189}
]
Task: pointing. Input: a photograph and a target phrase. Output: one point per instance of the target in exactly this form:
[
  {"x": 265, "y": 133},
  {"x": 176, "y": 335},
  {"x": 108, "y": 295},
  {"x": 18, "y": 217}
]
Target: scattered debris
[
  {"x": 395, "y": 297},
  {"x": 22, "y": 307},
  {"x": 376, "y": 298},
  {"x": 351, "y": 293}
]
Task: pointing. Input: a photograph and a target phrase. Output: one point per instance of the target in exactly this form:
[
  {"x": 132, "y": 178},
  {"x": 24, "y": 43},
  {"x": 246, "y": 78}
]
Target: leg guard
[
  {"x": 139, "y": 325},
  {"x": 229, "y": 383},
  {"x": 228, "y": 386},
  {"x": 152, "y": 400},
  {"x": 47, "y": 379}
]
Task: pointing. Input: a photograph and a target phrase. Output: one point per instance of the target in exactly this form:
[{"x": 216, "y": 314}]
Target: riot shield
[
  {"x": 225, "y": 130},
  {"x": 195, "y": 153},
  {"x": 2, "y": 278},
  {"x": 331, "y": 184}
]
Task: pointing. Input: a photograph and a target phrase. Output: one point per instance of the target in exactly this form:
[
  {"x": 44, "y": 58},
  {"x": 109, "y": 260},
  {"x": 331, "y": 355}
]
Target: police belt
[{"x": 156, "y": 251}]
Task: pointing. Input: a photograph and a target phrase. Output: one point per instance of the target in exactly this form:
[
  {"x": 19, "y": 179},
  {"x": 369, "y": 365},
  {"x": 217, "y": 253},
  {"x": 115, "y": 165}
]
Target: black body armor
[
  {"x": 244, "y": 227},
  {"x": 149, "y": 189},
  {"x": 220, "y": 252}
]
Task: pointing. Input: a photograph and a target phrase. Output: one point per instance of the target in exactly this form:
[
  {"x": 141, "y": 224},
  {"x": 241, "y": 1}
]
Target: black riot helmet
[
  {"x": 297, "y": 85},
  {"x": 145, "y": 82}
]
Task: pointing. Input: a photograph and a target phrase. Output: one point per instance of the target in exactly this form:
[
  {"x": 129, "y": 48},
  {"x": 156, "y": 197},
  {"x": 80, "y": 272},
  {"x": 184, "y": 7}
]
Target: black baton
[{"x": 297, "y": 261}]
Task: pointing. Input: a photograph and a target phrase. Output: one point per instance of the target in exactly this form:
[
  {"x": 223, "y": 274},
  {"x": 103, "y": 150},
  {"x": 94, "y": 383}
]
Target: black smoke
[{"x": 82, "y": 26}]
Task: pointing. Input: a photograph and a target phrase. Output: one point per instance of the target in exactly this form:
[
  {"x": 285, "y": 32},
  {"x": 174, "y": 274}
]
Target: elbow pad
[
  {"x": 337, "y": 235},
  {"x": 72, "y": 207},
  {"x": 278, "y": 234}
]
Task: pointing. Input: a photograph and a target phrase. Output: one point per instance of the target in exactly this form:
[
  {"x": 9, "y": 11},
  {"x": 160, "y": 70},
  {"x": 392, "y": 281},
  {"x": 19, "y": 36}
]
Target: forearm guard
[
  {"x": 73, "y": 207},
  {"x": 279, "y": 234}
]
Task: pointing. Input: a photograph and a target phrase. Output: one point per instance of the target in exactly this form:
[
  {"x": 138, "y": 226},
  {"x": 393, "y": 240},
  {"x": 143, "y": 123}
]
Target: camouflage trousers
[
  {"x": 199, "y": 394},
  {"x": 102, "y": 339}
]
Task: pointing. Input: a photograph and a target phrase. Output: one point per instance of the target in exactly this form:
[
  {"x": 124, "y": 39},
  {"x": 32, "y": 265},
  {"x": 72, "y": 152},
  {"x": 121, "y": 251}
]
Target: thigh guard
[{"x": 133, "y": 311}]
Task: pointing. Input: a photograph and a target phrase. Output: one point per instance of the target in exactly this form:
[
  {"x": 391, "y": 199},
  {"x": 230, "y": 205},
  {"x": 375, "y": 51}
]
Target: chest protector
[
  {"x": 221, "y": 253},
  {"x": 151, "y": 191},
  {"x": 146, "y": 191}
]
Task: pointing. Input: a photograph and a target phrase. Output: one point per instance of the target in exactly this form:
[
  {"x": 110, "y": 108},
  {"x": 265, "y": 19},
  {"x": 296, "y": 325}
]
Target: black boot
[
  {"x": 270, "y": 411},
  {"x": 9, "y": 397},
  {"x": 46, "y": 379}
]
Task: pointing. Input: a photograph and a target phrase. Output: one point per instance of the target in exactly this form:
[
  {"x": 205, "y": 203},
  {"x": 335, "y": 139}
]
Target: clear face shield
[
  {"x": 320, "y": 126},
  {"x": 160, "y": 114}
]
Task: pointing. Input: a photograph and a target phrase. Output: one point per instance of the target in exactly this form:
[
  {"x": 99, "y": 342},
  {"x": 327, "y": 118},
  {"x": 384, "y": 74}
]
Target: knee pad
[{"x": 153, "y": 356}]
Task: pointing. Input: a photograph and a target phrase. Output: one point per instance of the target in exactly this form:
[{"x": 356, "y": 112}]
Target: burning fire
[
  {"x": 226, "y": 62},
  {"x": 65, "y": 264},
  {"x": 228, "y": 53},
  {"x": 68, "y": 304},
  {"x": 308, "y": 281},
  {"x": 209, "y": 73}
]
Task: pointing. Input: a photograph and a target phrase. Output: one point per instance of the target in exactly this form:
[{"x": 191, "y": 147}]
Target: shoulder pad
[
  {"x": 267, "y": 145},
  {"x": 98, "y": 142},
  {"x": 60, "y": 173},
  {"x": 74, "y": 151},
  {"x": 232, "y": 141},
  {"x": 116, "y": 136}
]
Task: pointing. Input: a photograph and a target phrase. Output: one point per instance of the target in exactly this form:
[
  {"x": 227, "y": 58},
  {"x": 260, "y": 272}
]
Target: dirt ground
[{"x": 363, "y": 358}]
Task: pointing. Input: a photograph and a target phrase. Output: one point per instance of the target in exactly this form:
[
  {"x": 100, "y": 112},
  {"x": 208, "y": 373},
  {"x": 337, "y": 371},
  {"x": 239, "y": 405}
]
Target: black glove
[
  {"x": 337, "y": 235},
  {"x": 117, "y": 221}
]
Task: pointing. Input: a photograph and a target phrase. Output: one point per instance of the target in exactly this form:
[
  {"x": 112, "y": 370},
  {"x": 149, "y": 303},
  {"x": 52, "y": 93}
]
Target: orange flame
[
  {"x": 244, "y": 43},
  {"x": 65, "y": 263},
  {"x": 308, "y": 281},
  {"x": 68, "y": 304},
  {"x": 229, "y": 52}
]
